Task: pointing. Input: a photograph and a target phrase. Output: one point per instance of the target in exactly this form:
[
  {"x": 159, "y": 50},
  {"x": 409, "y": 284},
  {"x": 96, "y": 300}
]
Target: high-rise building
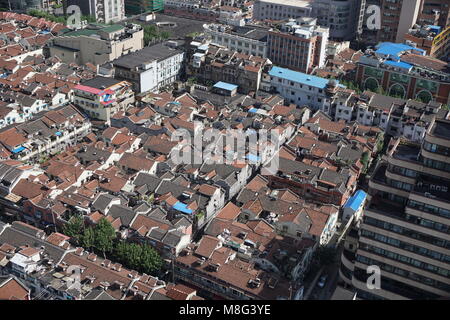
[
  {"x": 406, "y": 225},
  {"x": 299, "y": 44},
  {"x": 441, "y": 8},
  {"x": 141, "y": 6},
  {"x": 104, "y": 11},
  {"x": 396, "y": 18},
  {"x": 344, "y": 18},
  {"x": 23, "y": 5}
]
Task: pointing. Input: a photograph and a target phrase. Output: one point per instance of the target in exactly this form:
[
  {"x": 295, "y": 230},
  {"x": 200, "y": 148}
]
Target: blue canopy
[{"x": 182, "y": 207}]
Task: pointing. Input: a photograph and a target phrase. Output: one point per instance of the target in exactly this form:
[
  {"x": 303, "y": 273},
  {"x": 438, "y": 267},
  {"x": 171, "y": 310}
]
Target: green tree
[
  {"x": 74, "y": 227},
  {"x": 365, "y": 159},
  {"x": 164, "y": 35},
  {"x": 151, "y": 261},
  {"x": 88, "y": 238},
  {"x": 104, "y": 236}
]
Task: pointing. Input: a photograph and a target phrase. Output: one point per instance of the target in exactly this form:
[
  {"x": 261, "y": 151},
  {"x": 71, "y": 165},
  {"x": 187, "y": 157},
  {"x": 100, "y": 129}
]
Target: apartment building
[
  {"x": 96, "y": 44},
  {"x": 151, "y": 68},
  {"x": 433, "y": 39},
  {"x": 344, "y": 18},
  {"x": 102, "y": 97},
  {"x": 302, "y": 89},
  {"x": 395, "y": 116},
  {"x": 216, "y": 63},
  {"x": 405, "y": 225},
  {"x": 299, "y": 44},
  {"x": 278, "y": 10},
  {"x": 404, "y": 71},
  {"x": 247, "y": 39},
  {"x": 49, "y": 133},
  {"x": 104, "y": 11},
  {"x": 439, "y": 8},
  {"x": 397, "y": 17}
]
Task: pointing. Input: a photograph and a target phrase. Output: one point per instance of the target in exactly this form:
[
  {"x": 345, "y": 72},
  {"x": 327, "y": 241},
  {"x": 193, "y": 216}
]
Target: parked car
[{"x": 322, "y": 281}]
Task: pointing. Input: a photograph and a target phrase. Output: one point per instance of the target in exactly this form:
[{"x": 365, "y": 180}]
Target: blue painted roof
[
  {"x": 17, "y": 150},
  {"x": 356, "y": 200},
  {"x": 398, "y": 64},
  {"x": 299, "y": 77},
  {"x": 394, "y": 49},
  {"x": 225, "y": 86},
  {"x": 180, "y": 206}
]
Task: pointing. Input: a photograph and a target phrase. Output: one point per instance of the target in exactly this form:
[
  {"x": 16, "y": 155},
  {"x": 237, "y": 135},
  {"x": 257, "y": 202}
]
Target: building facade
[
  {"x": 104, "y": 11},
  {"x": 405, "y": 226},
  {"x": 433, "y": 39},
  {"x": 278, "y": 10},
  {"x": 298, "y": 44},
  {"x": 404, "y": 71},
  {"x": 97, "y": 44},
  {"x": 151, "y": 68},
  {"x": 101, "y": 97}
]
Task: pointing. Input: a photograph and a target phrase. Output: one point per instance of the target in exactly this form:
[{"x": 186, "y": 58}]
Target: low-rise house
[{"x": 102, "y": 97}]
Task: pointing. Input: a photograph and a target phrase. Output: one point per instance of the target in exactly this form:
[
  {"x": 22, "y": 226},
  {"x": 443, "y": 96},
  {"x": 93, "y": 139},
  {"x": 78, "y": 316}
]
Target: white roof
[{"x": 20, "y": 260}]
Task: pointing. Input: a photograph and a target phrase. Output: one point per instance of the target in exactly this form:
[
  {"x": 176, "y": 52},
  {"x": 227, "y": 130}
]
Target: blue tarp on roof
[
  {"x": 180, "y": 206},
  {"x": 253, "y": 158},
  {"x": 58, "y": 133},
  {"x": 299, "y": 77},
  {"x": 399, "y": 64},
  {"x": 225, "y": 86},
  {"x": 253, "y": 110},
  {"x": 356, "y": 200},
  {"x": 17, "y": 150},
  {"x": 394, "y": 49}
]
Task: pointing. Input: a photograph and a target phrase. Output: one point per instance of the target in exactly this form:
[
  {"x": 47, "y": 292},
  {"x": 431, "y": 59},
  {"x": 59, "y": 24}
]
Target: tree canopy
[{"x": 74, "y": 228}]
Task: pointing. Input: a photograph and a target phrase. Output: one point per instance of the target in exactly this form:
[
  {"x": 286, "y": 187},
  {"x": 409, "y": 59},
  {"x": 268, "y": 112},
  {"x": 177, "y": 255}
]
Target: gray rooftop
[
  {"x": 148, "y": 54},
  {"x": 100, "y": 82}
]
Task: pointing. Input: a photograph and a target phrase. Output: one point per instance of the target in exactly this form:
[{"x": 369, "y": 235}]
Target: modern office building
[
  {"x": 133, "y": 7},
  {"x": 406, "y": 224},
  {"x": 439, "y": 8},
  {"x": 344, "y": 18},
  {"x": 23, "y": 5},
  {"x": 397, "y": 17},
  {"x": 104, "y": 11}
]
